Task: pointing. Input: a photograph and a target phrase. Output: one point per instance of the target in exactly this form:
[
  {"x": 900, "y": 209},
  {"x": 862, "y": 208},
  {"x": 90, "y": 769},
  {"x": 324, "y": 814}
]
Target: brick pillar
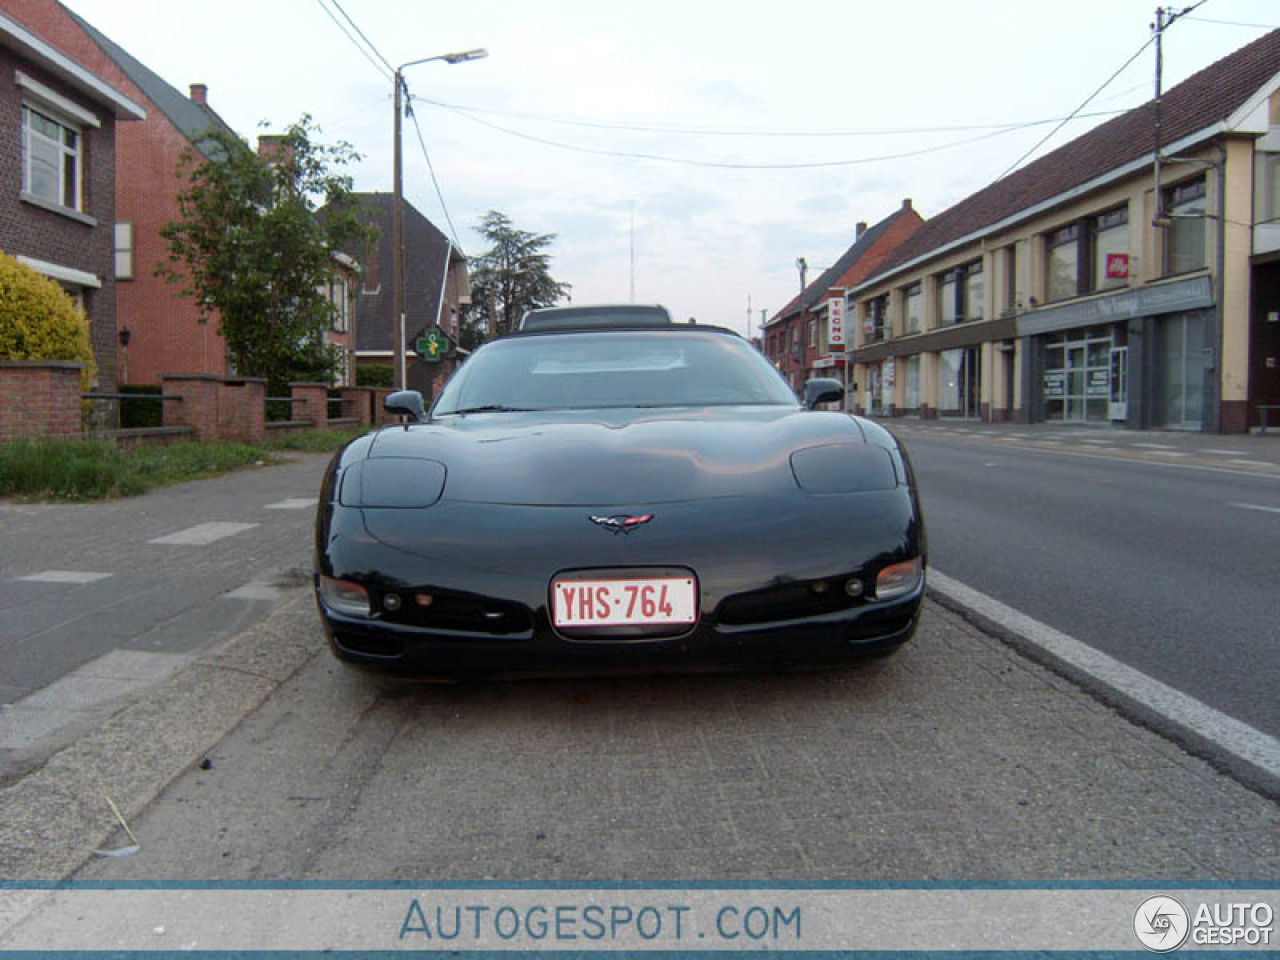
[
  {"x": 380, "y": 415},
  {"x": 314, "y": 404},
  {"x": 198, "y": 407},
  {"x": 242, "y": 410},
  {"x": 39, "y": 398},
  {"x": 357, "y": 402}
]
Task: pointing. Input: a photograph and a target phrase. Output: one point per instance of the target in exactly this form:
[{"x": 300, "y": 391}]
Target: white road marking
[
  {"x": 1255, "y": 748},
  {"x": 293, "y": 503},
  {"x": 254, "y": 590},
  {"x": 204, "y": 533},
  {"x": 65, "y": 576},
  {"x": 1254, "y": 506},
  {"x": 1225, "y": 453},
  {"x": 1155, "y": 446},
  {"x": 1254, "y": 462},
  {"x": 77, "y": 697}
]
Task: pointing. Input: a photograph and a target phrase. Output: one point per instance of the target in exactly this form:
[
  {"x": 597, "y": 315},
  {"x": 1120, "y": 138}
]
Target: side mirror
[
  {"x": 822, "y": 390},
  {"x": 406, "y": 403}
]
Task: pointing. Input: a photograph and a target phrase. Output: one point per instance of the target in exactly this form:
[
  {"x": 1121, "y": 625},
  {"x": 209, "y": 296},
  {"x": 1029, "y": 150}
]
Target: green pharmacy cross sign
[{"x": 433, "y": 345}]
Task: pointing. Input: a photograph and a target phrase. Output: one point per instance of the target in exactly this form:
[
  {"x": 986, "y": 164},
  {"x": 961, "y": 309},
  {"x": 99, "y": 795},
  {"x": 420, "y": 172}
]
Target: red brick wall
[
  {"x": 167, "y": 335},
  {"x": 311, "y": 402},
  {"x": 39, "y": 399}
]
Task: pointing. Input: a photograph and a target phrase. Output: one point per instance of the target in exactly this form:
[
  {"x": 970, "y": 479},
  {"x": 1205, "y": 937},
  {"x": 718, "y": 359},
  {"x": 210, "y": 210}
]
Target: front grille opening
[
  {"x": 462, "y": 612},
  {"x": 789, "y": 601},
  {"x": 372, "y": 645}
]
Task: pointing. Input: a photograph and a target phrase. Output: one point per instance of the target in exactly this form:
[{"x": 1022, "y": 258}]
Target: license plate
[{"x": 617, "y": 603}]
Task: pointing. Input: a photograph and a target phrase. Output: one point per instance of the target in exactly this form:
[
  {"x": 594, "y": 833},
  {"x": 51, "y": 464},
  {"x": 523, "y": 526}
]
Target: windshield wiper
[{"x": 491, "y": 408}]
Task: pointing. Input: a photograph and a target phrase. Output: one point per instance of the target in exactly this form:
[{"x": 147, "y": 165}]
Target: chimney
[
  {"x": 906, "y": 203},
  {"x": 860, "y": 229},
  {"x": 199, "y": 93},
  {"x": 272, "y": 147}
]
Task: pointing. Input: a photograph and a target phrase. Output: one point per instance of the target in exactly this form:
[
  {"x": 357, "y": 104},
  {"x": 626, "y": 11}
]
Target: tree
[
  {"x": 513, "y": 276},
  {"x": 253, "y": 251}
]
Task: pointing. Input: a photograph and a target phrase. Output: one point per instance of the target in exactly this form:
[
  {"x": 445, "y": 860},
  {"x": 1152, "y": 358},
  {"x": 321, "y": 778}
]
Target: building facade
[
  {"x": 58, "y": 136},
  {"x": 1095, "y": 286},
  {"x": 807, "y": 338}
]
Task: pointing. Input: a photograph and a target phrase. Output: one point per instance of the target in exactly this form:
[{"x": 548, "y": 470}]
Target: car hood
[{"x": 617, "y": 457}]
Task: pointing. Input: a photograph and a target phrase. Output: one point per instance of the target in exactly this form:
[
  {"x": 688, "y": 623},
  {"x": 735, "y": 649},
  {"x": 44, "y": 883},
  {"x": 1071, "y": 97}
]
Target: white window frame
[
  {"x": 66, "y": 124},
  {"x": 124, "y": 250}
]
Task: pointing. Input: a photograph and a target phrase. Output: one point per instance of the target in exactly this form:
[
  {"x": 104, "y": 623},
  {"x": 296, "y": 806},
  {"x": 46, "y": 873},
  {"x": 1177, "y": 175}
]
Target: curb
[{"x": 52, "y": 819}]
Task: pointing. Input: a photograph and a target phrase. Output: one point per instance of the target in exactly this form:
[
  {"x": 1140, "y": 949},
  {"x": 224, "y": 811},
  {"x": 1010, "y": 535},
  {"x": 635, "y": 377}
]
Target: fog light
[
  {"x": 424, "y": 599},
  {"x": 853, "y": 587},
  {"x": 345, "y": 597},
  {"x": 900, "y": 579},
  {"x": 391, "y": 602}
]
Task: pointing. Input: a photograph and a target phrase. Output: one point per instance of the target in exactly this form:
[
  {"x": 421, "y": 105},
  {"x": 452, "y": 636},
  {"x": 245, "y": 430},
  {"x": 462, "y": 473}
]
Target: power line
[
  {"x": 729, "y": 165},
  {"x": 436, "y": 183},
  {"x": 347, "y": 33},
  {"x": 727, "y": 131},
  {"x": 385, "y": 62},
  {"x": 1045, "y": 139},
  {"x": 1237, "y": 23}
]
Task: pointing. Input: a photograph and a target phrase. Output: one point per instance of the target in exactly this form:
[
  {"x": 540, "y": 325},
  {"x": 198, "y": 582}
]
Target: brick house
[
  {"x": 436, "y": 286},
  {"x": 806, "y": 341},
  {"x": 1093, "y": 286},
  {"x": 161, "y": 330},
  {"x": 58, "y": 139}
]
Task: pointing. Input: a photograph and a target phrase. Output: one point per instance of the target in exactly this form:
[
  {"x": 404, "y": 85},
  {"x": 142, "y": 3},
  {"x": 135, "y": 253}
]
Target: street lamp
[{"x": 397, "y": 211}]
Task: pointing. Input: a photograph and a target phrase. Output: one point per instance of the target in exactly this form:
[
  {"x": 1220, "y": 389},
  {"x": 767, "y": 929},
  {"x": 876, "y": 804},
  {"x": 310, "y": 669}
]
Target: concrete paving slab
[{"x": 22, "y": 726}]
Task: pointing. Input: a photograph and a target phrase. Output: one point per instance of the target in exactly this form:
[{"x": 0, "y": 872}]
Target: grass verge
[{"x": 316, "y": 441}]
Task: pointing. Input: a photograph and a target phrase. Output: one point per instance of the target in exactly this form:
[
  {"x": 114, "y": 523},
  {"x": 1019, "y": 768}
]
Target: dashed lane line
[
  {"x": 1249, "y": 753},
  {"x": 204, "y": 533},
  {"x": 64, "y": 576},
  {"x": 1256, "y": 506},
  {"x": 293, "y": 503}
]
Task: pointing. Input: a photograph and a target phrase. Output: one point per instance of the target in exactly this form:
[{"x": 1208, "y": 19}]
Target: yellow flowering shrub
[{"x": 38, "y": 321}]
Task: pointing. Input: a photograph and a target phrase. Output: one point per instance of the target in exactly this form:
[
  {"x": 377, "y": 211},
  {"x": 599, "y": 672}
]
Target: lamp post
[{"x": 397, "y": 211}]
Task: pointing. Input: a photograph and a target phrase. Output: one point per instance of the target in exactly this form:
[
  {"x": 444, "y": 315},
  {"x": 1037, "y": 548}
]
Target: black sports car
[{"x": 599, "y": 498}]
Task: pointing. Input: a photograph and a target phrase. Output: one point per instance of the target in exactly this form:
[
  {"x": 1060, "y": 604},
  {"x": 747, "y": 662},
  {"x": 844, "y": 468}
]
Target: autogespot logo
[{"x": 1161, "y": 924}]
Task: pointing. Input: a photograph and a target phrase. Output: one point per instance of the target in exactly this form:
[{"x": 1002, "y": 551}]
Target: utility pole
[
  {"x": 803, "y": 266},
  {"x": 1159, "y": 29},
  {"x": 397, "y": 210},
  {"x": 750, "y": 314}
]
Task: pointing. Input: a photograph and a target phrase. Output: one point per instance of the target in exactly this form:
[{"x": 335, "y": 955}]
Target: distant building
[
  {"x": 807, "y": 340},
  {"x": 57, "y": 169},
  {"x": 435, "y": 283},
  {"x": 1081, "y": 290}
]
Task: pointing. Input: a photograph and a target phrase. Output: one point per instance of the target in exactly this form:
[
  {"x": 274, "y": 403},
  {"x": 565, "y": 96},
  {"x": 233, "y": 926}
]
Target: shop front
[{"x": 1140, "y": 358}]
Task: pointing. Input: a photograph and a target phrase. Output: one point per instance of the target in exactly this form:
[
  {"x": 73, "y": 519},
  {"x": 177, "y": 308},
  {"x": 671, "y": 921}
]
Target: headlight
[
  {"x": 392, "y": 482},
  {"x": 844, "y": 468},
  {"x": 345, "y": 597},
  {"x": 899, "y": 579}
]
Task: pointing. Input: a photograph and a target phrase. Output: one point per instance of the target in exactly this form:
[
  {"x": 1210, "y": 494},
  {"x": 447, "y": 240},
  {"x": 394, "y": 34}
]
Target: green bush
[
  {"x": 38, "y": 321},
  {"x": 374, "y": 375}
]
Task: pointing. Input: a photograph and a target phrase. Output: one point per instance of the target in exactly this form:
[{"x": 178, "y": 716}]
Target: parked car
[{"x": 618, "y": 497}]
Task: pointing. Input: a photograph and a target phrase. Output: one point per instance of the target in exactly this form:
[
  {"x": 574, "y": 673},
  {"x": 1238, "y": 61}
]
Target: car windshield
[{"x": 615, "y": 369}]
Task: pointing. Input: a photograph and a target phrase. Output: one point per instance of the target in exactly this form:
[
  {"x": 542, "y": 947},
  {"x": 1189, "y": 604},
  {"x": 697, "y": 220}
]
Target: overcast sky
[{"x": 897, "y": 99}]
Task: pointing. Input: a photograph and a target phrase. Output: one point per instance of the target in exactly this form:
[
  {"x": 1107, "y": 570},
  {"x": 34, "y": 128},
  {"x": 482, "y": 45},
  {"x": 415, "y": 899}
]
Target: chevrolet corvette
[{"x": 625, "y": 495}]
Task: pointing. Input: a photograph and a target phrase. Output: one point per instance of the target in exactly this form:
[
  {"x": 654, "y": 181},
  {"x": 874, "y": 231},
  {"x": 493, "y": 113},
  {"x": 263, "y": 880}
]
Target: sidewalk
[{"x": 1251, "y": 453}]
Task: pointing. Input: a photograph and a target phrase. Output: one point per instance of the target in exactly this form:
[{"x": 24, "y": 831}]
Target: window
[
  {"x": 50, "y": 158},
  {"x": 1184, "y": 240},
  {"x": 960, "y": 294},
  {"x": 877, "y": 311},
  {"x": 124, "y": 251},
  {"x": 911, "y": 295},
  {"x": 813, "y": 333},
  {"x": 1011, "y": 298},
  {"x": 912, "y": 387},
  {"x": 341, "y": 305},
  {"x": 1063, "y": 249},
  {"x": 1109, "y": 238}
]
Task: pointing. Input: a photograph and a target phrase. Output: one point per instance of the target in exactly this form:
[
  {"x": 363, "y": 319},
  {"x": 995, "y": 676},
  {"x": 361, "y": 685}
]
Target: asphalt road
[{"x": 1171, "y": 570}]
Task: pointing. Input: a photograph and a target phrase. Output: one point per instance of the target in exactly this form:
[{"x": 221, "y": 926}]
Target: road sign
[{"x": 433, "y": 345}]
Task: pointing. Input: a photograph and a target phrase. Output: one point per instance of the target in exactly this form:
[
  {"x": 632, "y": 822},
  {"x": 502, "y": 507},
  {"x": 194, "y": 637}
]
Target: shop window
[
  {"x": 877, "y": 312},
  {"x": 1063, "y": 250},
  {"x": 960, "y": 294},
  {"x": 1184, "y": 238},
  {"x": 1109, "y": 240},
  {"x": 913, "y": 302},
  {"x": 958, "y": 382},
  {"x": 911, "y": 388}
]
